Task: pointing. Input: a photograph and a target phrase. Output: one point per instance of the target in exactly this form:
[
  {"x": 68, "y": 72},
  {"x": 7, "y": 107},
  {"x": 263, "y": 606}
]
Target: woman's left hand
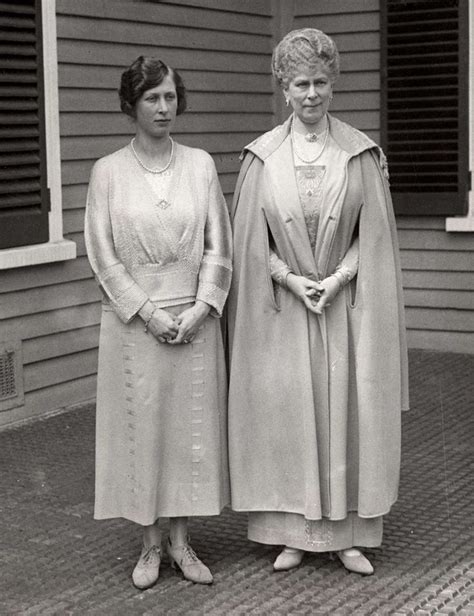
[
  {"x": 331, "y": 288},
  {"x": 189, "y": 321}
]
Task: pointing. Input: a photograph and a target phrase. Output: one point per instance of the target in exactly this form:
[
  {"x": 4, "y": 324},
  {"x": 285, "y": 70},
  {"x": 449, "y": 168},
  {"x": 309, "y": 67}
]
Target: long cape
[{"x": 314, "y": 402}]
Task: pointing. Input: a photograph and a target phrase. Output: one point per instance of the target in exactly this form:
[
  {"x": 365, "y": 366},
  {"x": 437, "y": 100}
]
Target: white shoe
[
  {"x": 354, "y": 560},
  {"x": 147, "y": 569},
  {"x": 289, "y": 558},
  {"x": 184, "y": 557}
]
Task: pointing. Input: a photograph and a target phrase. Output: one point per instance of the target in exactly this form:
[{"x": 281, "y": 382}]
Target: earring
[
  {"x": 331, "y": 97},
  {"x": 287, "y": 101}
]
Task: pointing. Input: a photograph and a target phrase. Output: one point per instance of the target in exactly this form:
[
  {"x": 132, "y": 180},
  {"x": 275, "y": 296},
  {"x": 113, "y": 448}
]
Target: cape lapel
[
  {"x": 328, "y": 223},
  {"x": 286, "y": 202}
]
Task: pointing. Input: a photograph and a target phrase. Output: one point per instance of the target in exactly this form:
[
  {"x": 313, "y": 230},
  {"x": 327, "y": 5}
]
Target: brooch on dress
[
  {"x": 163, "y": 204},
  {"x": 311, "y": 137}
]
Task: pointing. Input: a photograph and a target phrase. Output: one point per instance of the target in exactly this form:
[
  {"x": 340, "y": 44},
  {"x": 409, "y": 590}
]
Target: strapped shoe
[
  {"x": 147, "y": 569},
  {"x": 354, "y": 560},
  {"x": 289, "y": 558},
  {"x": 184, "y": 557}
]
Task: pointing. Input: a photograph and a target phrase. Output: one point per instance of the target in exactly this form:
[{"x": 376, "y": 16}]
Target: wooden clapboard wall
[
  {"x": 437, "y": 266},
  {"x": 354, "y": 26},
  {"x": 222, "y": 50}
]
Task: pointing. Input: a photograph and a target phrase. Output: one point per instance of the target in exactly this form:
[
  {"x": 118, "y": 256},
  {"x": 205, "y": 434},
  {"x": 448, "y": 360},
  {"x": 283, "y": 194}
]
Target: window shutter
[
  {"x": 24, "y": 198},
  {"x": 425, "y": 104}
]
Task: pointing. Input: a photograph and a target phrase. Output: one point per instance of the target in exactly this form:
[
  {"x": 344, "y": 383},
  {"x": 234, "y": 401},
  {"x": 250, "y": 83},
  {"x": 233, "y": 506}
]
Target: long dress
[
  {"x": 314, "y": 401},
  {"x": 317, "y": 186},
  {"x": 161, "y": 434}
]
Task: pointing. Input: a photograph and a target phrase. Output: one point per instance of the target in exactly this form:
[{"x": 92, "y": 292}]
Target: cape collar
[{"x": 348, "y": 138}]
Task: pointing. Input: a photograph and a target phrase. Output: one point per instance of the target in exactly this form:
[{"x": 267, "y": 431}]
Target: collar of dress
[{"x": 348, "y": 138}]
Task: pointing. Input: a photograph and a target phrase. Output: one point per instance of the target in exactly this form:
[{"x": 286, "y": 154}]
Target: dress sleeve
[
  {"x": 349, "y": 265},
  {"x": 216, "y": 265},
  {"x": 125, "y": 295},
  {"x": 279, "y": 270}
]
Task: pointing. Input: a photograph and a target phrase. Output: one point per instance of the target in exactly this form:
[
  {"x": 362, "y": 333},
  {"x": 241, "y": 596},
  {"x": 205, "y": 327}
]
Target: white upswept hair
[{"x": 303, "y": 49}]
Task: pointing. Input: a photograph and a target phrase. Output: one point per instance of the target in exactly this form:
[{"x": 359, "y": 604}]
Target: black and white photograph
[{"x": 236, "y": 307}]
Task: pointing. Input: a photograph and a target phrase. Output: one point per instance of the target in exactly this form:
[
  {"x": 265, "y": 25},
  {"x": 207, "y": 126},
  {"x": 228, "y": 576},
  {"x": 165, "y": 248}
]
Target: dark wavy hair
[{"x": 143, "y": 74}]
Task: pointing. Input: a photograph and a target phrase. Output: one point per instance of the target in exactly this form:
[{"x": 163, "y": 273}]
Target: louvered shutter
[
  {"x": 425, "y": 104},
  {"x": 24, "y": 198}
]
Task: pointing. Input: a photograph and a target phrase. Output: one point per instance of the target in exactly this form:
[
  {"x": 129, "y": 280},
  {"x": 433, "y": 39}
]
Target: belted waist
[{"x": 165, "y": 286}]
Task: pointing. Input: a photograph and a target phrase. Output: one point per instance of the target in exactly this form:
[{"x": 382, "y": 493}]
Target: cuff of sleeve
[
  {"x": 129, "y": 303},
  {"x": 343, "y": 274},
  {"x": 281, "y": 275},
  {"x": 212, "y": 295}
]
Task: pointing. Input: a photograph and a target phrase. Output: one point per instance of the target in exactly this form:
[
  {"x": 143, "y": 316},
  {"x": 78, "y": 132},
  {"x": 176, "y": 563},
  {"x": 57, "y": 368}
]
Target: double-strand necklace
[
  {"x": 314, "y": 137},
  {"x": 142, "y": 164}
]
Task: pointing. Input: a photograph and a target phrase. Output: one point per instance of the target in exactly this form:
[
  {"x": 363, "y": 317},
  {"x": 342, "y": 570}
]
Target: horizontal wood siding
[
  {"x": 355, "y": 28},
  {"x": 222, "y": 50},
  {"x": 438, "y": 279}
]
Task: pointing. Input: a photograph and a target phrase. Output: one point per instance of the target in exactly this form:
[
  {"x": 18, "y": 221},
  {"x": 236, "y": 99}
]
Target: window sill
[
  {"x": 39, "y": 253},
  {"x": 460, "y": 223}
]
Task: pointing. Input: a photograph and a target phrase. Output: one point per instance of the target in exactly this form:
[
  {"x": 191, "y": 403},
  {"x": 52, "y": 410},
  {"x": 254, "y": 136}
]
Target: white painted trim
[
  {"x": 57, "y": 249},
  {"x": 37, "y": 253},
  {"x": 51, "y": 95},
  {"x": 466, "y": 223}
]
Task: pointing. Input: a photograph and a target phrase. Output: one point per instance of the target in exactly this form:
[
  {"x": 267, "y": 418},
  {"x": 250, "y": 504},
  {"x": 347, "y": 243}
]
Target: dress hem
[
  {"x": 149, "y": 522},
  {"x": 313, "y": 519}
]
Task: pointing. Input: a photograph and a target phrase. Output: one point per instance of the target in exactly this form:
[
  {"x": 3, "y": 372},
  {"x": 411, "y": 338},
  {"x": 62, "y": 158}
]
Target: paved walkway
[{"x": 55, "y": 559}]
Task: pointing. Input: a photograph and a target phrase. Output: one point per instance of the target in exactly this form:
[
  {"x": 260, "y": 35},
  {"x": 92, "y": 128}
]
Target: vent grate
[{"x": 8, "y": 388}]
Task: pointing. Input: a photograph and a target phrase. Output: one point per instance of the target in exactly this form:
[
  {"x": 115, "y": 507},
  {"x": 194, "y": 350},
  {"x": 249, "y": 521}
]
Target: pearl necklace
[
  {"x": 298, "y": 154},
  {"x": 163, "y": 169}
]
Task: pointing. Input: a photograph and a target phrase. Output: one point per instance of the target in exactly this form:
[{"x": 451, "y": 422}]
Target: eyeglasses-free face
[
  {"x": 156, "y": 109},
  {"x": 310, "y": 93}
]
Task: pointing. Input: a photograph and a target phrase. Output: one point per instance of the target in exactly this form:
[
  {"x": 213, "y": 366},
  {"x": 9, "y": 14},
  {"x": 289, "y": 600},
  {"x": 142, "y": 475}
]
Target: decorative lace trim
[
  {"x": 384, "y": 164},
  {"x": 318, "y": 532},
  {"x": 309, "y": 179},
  {"x": 345, "y": 274}
]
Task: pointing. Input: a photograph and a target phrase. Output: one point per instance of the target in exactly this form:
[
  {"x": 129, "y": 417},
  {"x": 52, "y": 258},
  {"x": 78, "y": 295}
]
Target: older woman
[
  {"x": 318, "y": 353},
  {"x": 158, "y": 240}
]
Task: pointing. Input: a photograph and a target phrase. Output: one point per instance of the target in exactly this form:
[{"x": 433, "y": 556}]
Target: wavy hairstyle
[
  {"x": 143, "y": 74},
  {"x": 304, "y": 49}
]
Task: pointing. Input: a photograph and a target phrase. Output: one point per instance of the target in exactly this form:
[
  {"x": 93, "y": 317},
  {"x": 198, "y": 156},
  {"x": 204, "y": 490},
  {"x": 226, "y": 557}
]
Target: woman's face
[
  {"x": 309, "y": 93},
  {"x": 156, "y": 109}
]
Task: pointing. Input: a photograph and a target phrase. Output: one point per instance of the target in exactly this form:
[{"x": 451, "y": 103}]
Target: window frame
[
  {"x": 57, "y": 248},
  {"x": 466, "y": 223}
]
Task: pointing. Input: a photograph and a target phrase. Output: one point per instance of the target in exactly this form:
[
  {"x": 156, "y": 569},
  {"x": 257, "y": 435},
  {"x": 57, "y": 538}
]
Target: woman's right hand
[
  {"x": 306, "y": 290},
  {"x": 163, "y": 325}
]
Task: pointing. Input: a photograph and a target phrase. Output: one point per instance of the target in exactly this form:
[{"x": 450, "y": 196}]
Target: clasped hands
[
  {"x": 178, "y": 329},
  {"x": 316, "y": 296}
]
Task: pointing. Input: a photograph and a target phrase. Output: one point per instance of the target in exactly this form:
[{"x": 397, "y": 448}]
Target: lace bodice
[{"x": 310, "y": 182}]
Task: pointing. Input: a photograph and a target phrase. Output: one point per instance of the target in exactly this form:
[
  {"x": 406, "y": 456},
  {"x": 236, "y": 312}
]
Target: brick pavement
[{"x": 55, "y": 559}]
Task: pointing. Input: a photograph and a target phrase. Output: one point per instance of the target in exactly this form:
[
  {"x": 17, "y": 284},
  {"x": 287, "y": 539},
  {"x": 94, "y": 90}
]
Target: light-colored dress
[
  {"x": 161, "y": 444},
  {"x": 315, "y": 400},
  {"x": 318, "y": 185}
]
